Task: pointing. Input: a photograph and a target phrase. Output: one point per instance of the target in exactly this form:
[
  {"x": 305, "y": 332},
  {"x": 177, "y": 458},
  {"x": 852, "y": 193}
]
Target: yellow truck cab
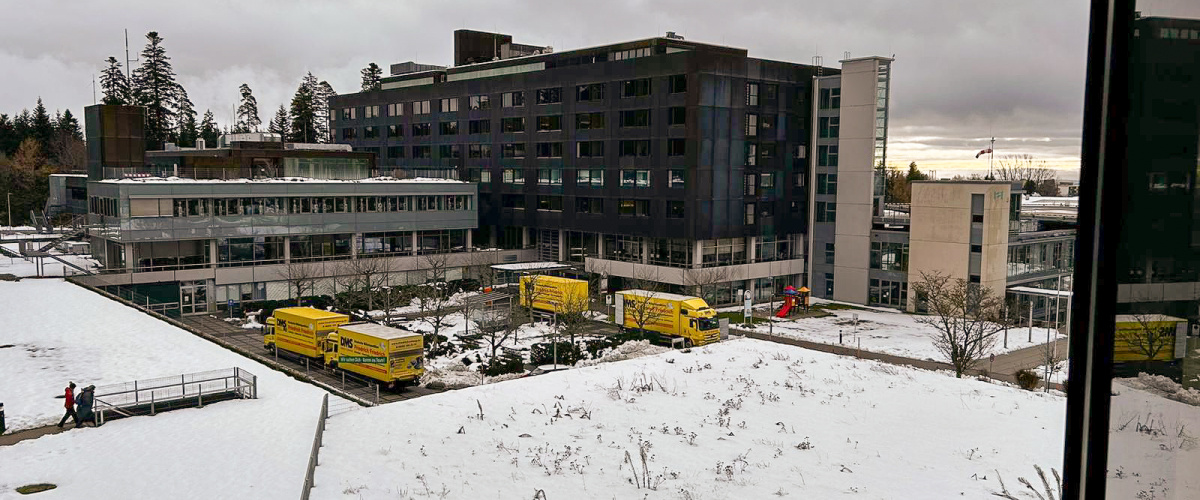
[
  {"x": 301, "y": 330},
  {"x": 675, "y": 319},
  {"x": 389, "y": 355},
  {"x": 553, "y": 294}
]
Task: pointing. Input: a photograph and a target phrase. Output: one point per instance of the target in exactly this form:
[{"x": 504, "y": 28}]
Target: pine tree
[
  {"x": 41, "y": 127},
  {"x": 281, "y": 123},
  {"x": 8, "y": 136},
  {"x": 303, "y": 118},
  {"x": 370, "y": 77},
  {"x": 186, "y": 130},
  {"x": 208, "y": 129},
  {"x": 154, "y": 87},
  {"x": 114, "y": 83},
  {"x": 68, "y": 125},
  {"x": 66, "y": 149},
  {"x": 321, "y": 104},
  {"x": 247, "y": 112}
]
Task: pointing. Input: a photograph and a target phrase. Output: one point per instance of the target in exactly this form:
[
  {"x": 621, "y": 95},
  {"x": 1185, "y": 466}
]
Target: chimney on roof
[{"x": 200, "y": 143}]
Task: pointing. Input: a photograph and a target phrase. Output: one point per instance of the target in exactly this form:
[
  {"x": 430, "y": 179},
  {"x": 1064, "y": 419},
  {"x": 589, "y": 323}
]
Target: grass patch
[
  {"x": 35, "y": 488},
  {"x": 736, "y": 318}
]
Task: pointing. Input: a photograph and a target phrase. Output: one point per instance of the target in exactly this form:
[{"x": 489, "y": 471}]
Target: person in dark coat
[
  {"x": 69, "y": 394},
  {"x": 85, "y": 401}
]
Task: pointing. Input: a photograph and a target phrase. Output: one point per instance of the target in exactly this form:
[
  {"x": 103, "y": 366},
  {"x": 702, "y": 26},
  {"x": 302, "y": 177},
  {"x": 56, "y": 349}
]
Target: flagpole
[{"x": 991, "y": 154}]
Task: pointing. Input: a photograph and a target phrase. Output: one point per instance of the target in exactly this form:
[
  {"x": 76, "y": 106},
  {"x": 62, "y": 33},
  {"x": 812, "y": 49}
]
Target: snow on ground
[
  {"x": 59, "y": 332},
  {"x": 51, "y": 267},
  {"x": 738, "y": 419},
  {"x": 414, "y": 306},
  {"x": 887, "y": 332},
  {"x": 1153, "y": 447}
]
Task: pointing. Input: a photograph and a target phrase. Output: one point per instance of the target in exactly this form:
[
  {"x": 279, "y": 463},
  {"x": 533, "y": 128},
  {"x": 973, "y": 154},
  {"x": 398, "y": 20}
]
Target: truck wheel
[{"x": 269, "y": 347}]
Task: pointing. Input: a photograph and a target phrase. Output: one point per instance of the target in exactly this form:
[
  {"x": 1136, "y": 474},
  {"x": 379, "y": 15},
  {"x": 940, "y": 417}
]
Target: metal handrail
[{"x": 316, "y": 448}]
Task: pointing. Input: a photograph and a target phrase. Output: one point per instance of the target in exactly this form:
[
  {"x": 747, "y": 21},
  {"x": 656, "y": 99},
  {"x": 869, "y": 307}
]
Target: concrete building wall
[
  {"x": 855, "y": 169},
  {"x": 940, "y": 238}
]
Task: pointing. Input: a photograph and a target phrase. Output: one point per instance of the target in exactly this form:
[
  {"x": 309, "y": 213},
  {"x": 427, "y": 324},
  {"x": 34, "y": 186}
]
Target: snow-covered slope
[
  {"x": 235, "y": 449},
  {"x": 739, "y": 419}
]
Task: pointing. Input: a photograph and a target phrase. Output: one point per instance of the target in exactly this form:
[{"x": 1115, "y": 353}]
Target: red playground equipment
[{"x": 792, "y": 298}]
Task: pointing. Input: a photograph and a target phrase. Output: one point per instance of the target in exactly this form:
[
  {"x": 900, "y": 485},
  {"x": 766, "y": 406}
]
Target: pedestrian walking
[
  {"x": 86, "y": 398},
  {"x": 69, "y": 394}
]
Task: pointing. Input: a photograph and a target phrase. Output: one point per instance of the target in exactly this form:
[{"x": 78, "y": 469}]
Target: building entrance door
[{"x": 193, "y": 297}]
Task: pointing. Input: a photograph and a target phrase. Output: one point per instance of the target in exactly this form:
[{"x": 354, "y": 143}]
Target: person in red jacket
[{"x": 69, "y": 394}]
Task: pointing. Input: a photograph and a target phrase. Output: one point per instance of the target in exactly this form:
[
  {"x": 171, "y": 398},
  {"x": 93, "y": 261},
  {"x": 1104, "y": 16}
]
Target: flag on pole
[{"x": 983, "y": 152}]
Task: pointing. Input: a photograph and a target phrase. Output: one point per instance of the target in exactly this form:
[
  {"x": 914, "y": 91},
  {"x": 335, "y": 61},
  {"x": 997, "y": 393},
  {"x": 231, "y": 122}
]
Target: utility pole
[
  {"x": 1031, "y": 320},
  {"x": 10, "y": 211}
]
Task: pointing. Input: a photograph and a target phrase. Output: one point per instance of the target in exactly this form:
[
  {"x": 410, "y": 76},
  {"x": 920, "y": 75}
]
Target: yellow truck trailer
[
  {"x": 301, "y": 330},
  {"x": 667, "y": 317},
  {"x": 389, "y": 355},
  {"x": 554, "y": 294},
  {"x": 1166, "y": 339}
]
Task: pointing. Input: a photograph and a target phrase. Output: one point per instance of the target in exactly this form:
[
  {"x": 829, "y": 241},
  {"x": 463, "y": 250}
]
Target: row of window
[
  {"x": 546, "y": 123},
  {"x": 222, "y": 207},
  {"x": 638, "y": 87},
  {"x": 629, "y": 178},
  {"x": 517, "y": 150},
  {"x": 627, "y": 207}
]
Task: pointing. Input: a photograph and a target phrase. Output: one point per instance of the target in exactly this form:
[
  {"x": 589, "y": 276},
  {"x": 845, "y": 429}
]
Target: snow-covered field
[
  {"x": 54, "y": 332},
  {"x": 888, "y": 332},
  {"x": 1154, "y": 451},
  {"x": 738, "y": 419}
]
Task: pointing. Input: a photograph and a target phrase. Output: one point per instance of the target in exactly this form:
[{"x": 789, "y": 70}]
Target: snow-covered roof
[
  {"x": 657, "y": 295},
  {"x": 530, "y": 266},
  {"x": 271, "y": 180},
  {"x": 378, "y": 331},
  {"x": 1039, "y": 291}
]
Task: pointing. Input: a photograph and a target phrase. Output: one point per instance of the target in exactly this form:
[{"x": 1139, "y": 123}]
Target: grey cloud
[{"x": 964, "y": 70}]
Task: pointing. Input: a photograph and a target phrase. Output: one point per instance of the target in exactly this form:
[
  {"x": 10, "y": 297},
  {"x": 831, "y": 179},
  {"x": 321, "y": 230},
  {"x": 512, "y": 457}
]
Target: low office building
[
  {"x": 975, "y": 230},
  {"x": 662, "y": 159},
  {"x": 201, "y": 228}
]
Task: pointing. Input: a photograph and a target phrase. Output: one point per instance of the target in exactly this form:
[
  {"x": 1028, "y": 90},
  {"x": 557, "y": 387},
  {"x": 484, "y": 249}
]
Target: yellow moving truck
[
  {"x": 676, "y": 319},
  {"x": 1168, "y": 336},
  {"x": 301, "y": 330},
  {"x": 554, "y": 294},
  {"x": 389, "y": 355}
]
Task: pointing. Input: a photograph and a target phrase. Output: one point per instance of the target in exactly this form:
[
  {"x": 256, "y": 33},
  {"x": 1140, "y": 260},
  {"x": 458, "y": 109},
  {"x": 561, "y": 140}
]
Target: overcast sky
[{"x": 964, "y": 71}]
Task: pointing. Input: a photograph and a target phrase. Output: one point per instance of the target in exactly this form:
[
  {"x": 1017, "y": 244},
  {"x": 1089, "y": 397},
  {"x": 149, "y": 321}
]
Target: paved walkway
[
  {"x": 1002, "y": 369},
  {"x": 14, "y": 437}
]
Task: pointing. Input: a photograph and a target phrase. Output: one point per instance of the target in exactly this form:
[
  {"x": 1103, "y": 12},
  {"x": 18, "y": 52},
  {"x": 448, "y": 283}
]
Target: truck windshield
[{"x": 708, "y": 324}]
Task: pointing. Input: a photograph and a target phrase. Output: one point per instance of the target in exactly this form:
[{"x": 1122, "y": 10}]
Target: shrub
[
  {"x": 543, "y": 353},
  {"x": 1027, "y": 379},
  {"x": 509, "y": 362}
]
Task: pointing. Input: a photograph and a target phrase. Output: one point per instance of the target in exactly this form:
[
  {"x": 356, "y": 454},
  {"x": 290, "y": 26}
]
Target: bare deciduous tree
[
  {"x": 299, "y": 277},
  {"x": 433, "y": 297},
  {"x": 640, "y": 308},
  {"x": 1022, "y": 167},
  {"x": 702, "y": 281},
  {"x": 572, "y": 315},
  {"x": 965, "y": 317},
  {"x": 362, "y": 277},
  {"x": 496, "y": 326},
  {"x": 481, "y": 262},
  {"x": 1151, "y": 336}
]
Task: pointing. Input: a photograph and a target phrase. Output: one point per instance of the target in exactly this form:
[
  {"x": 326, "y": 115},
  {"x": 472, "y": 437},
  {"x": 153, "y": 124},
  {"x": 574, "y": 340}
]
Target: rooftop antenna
[
  {"x": 846, "y": 55},
  {"x": 128, "y": 61},
  {"x": 93, "y": 88}
]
